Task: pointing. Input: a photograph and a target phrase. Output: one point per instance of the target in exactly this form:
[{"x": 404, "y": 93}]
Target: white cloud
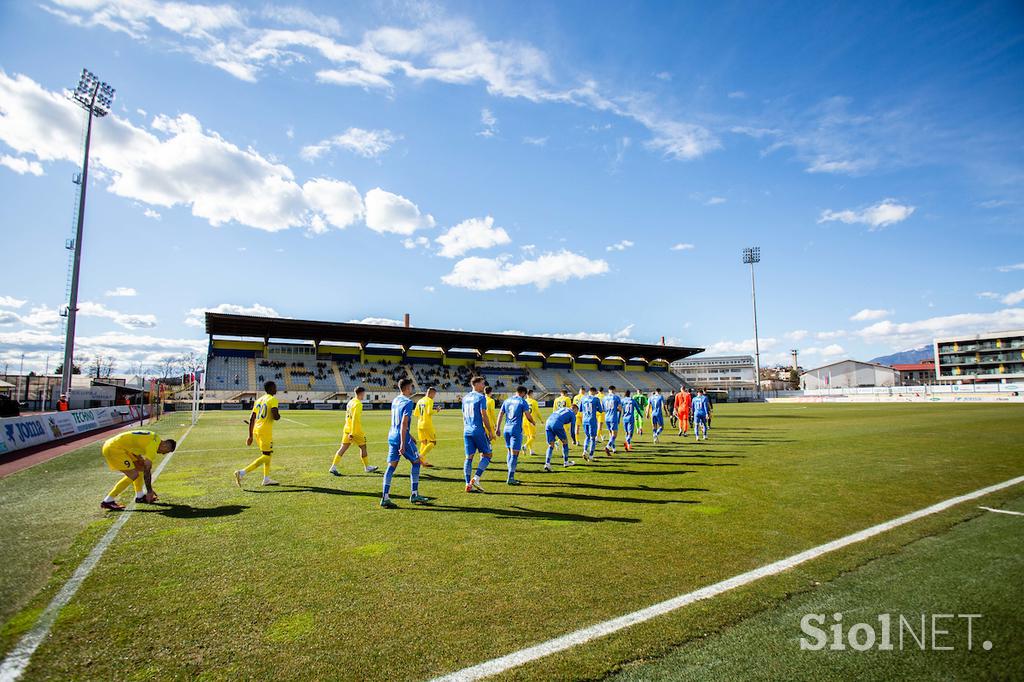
[
  {"x": 355, "y": 77},
  {"x": 619, "y": 246},
  {"x": 489, "y": 122},
  {"x": 990, "y": 295},
  {"x": 369, "y": 144},
  {"x": 870, "y": 314},
  {"x": 11, "y": 302},
  {"x": 474, "y": 233},
  {"x": 837, "y": 334},
  {"x": 715, "y": 201},
  {"x": 21, "y": 166},
  {"x": 383, "y": 321},
  {"x": 912, "y": 334},
  {"x": 737, "y": 94},
  {"x": 882, "y": 214},
  {"x": 121, "y": 291},
  {"x": 485, "y": 274},
  {"x": 744, "y": 347},
  {"x": 797, "y": 334},
  {"x": 41, "y": 316},
  {"x": 289, "y": 132},
  {"x": 126, "y": 320},
  {"x": 535, "y": 141},
  {"x": 387, "y": 212},
  {"x": 195, "y": 316},
  {"x": 150, "y": 213},
  {"x": 1014, "y": 298},
  {"x": 415, "y": 243},
  {"x": 1010, "y": 268},
  {"x": 126, "y": 347},
  {"x": 338, "y": 201},
  {"x": 831, "y": 350},
  {"x": 303, "y": 18},
  {"x": 429, "y": 289},
  {"x": 142, "y": 113},
  {"x": 683, "y": 247}
]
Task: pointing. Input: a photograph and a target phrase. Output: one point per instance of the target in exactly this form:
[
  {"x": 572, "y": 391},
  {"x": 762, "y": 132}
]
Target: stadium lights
[
  {"x": 752, "y": 255},
  {"x": 96, "y": 97}
]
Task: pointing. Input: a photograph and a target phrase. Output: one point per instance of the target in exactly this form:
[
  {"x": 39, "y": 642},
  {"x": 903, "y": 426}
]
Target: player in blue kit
[
  {"x": 701, "y": 413},
  {"x": 514, "y": 412},
  {"x": 401, "y": 444},
  {"x": 612, "y": 405},
  {"x": 555, "y": 428},
  {"x": 591, "y": 408},
  {"x": 656, "y": 411},
  {"x": 477, "y": 433},
  {"x": 628, "y": 419}
]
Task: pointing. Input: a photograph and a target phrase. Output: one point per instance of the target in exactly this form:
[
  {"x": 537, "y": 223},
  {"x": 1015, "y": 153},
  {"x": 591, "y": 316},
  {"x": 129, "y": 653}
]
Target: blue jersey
[
  {"x": 401, "y": 407},
  {"x": 591, "y": 406},
  {"x": 700, "y": 405},
  {"x": 560, "y": 418},
  {"x": 657, "y": 403},
  {"x": 474, "y": 405},
  {"x": 514, "y": 408},
  {"x": 628, "y": 408},
  {"x": 612, "y": 402}
]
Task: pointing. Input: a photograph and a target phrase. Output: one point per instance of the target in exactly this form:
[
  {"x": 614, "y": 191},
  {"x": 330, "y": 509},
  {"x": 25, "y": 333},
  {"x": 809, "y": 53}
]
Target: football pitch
[{"x": 312, "y": 580}]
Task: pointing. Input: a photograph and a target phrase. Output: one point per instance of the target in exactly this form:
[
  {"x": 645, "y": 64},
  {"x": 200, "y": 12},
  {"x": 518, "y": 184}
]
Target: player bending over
[
  {"x": 426, "y": 434},
  {"x": 563, "y": 400},
  {"x": 612, "y": 405},
  {"x": 656, "y": 412},
  {"x": 131, "y": 454},
  {"x": 477, "y": 434},
  {"x": 401, "y": 444},
  {"x": 515, "y": 413},
  {"x": 353, "y": 434},
  {"x": 628, "y": 417},
  {"x": 530, "y": 427},
  {"x": 554, "y": 428},
  {"x": 591, "y": 408},
  {"x": 701, "y": 412},
  {"x": 261, "y": 430}
]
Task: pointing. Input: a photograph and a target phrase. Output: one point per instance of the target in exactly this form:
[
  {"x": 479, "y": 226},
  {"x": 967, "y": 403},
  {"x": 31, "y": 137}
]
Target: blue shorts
[
  {"x": 590, "y": 429},
  {"x": 412, "y": 453},
  {"x": 658, "y": 419},
  {"x": 477, "y": 442},
  {"x": 558, "y": 433},
  {"x": 611, "y": 424},
  {"x": 627, "y": 423},
  {"x": 513, "y": 440},
  {"x": 700, "y": 418}
]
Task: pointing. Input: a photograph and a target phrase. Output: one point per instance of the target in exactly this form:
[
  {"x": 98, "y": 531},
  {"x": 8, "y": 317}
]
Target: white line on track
[
  {"x": 18, "y": 659},
  {"x": 587, "y": 634},
  {"x": 1002, "y": 511}
]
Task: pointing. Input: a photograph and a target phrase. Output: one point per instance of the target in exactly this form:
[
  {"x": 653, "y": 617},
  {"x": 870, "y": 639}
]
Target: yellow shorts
[
  {"x": 117, "y": 460},
  {"x": 358, "y": 439},
  {"x": 426, "y": 435},
  {"x": 264, "y": 441}
]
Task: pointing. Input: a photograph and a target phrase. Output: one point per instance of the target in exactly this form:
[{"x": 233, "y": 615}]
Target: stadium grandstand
[{"x": 323, "y": 362}]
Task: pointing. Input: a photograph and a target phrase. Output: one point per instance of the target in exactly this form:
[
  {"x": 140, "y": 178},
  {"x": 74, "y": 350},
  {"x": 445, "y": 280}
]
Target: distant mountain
[{"x": 907, "y": 357}]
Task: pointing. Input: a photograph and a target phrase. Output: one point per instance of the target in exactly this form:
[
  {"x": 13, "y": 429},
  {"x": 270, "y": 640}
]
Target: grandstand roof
[{"x": 267, "y": 328}]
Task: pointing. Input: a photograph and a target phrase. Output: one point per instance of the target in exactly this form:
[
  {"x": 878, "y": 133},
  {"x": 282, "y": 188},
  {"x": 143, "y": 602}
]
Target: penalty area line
[
  {"x": 1002, "y": 511},
  {"x": 588, "y": 634},
  {"x": 15, "y": 663}
]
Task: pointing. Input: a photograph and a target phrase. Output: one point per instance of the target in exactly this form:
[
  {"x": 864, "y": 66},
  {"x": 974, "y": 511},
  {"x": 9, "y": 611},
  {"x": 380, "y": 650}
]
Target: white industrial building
[
  {"x": 849, "y": 374},
  {"x": 724, "y": 372}
]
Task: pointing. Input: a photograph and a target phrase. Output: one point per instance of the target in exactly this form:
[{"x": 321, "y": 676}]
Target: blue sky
[{"x": 564, "y": 168}]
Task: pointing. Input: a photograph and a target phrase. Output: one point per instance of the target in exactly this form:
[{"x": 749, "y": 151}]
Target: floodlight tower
[
  {"x": 752, "y": 255},
  {"x": 95, "y": 97}
]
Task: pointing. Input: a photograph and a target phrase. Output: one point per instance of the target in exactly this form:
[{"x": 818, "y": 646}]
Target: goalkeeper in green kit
[{"x": 640, "y": 400}]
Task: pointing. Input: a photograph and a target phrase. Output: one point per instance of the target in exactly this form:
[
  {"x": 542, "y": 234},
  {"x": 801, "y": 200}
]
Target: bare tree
[
  {"x": 109, "y": 364},
  {"x": 167, "y": 366}
]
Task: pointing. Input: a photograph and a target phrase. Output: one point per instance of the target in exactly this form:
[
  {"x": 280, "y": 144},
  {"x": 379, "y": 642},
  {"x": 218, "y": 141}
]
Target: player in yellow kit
[
  {"x": 492, "y": 411},
  {"x": 530, "y": 428},
  {"x": 131, "y": 454},
  {"x": 577, "y": 400},
  {"x": 600, "y": 416},
  {"x": 353, "y": 434},
  {"x": 261, "y": 431},
  {"x": 426, "y": 434},
  {"x": 561, "y": 401}
]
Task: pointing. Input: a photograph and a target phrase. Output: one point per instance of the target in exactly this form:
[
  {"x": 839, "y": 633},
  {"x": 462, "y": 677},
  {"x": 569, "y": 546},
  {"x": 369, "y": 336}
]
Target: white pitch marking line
[
  {"x": 587, "y": 634},
  {"x": 1002, "y": 511},
  {"x": 295, "y": 421},
  {"x": 18, "y": 659}
]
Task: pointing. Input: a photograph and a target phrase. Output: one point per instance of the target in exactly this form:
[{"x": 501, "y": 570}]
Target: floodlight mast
[
  {"x": 752, "y": 255},
  {"x": 95, "y": 97}
]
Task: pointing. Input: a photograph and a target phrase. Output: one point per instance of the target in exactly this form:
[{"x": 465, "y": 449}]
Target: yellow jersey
[
  {"x": 262, "y": 408},
  {"x": 534, "y": 412},
  {"x": 560, "y": 402},
  {"x": 425, "y": 413},
  {"x": 138, "y": 443},
  {"x": 354, "y": 417},
  {"x": 600, "y": 415},
  {"x": 492, "y": 413}
]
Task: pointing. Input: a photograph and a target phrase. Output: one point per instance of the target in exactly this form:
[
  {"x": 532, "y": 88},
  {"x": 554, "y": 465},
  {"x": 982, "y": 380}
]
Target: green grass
[{"x": 313, "y": 580}]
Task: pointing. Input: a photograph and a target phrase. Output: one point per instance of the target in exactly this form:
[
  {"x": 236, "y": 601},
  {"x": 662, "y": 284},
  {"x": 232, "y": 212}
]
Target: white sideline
[
  {"x": 17, "y": 660},
  {"x": 587, "y": 634},
  {"x": 1002, "y": 511}
]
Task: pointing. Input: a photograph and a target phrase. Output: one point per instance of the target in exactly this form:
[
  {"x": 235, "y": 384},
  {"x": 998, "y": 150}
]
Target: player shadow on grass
[
  {"x": 284, "y": 488},
  {"x": 592, "y": 498},
  {"x": 516, "y": 512},
  {"x": 636, "y": 488},
  {"x": 187, "y": 511}
]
